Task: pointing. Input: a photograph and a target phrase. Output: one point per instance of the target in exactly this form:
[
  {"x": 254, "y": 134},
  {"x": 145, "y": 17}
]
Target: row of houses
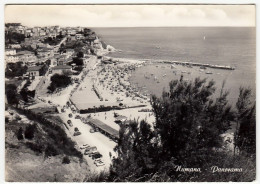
[
  {"x": 35, "y": 71},
  {"x": 11, "y": 56}
]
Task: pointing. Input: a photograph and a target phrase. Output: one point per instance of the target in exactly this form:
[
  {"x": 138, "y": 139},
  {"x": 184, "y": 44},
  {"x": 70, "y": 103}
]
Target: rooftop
[
  {"x": 25, "y": 52},
  {"x": 34, "y": 68},
  {"x": 105, "y": 127},
  {"x": 60, "y": 67}
]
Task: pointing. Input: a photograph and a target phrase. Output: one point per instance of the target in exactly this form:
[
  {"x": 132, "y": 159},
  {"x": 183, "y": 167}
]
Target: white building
[{"x": 10, "y": 52}]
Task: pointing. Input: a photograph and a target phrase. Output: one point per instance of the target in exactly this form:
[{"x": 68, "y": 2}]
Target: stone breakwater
[
  {"x": 184, "y": 63},
  {"x": 198, "y": 64}
]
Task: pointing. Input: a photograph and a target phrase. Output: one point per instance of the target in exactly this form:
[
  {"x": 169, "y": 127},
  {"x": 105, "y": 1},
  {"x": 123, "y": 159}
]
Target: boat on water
[
  {"x": 158, "y": 47},
  {"x": 158, "y": 81},
  {"x": 172, "y": 66},
  {"x": 209, "y": 72},
  {"x": 183, "y": 72},
  {"x": 164, "y": 75}
]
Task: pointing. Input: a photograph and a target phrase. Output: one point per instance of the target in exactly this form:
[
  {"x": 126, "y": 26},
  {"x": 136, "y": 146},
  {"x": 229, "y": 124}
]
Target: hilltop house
[
  {"x": 10, "y": 52},
  {"x": 14, "y": 46},
  {"x": 45, "y": 52},
  {"x": 11, "y": 58},
  {"x": 33, "y": 71},
  {"x": 26, "y": 56}
]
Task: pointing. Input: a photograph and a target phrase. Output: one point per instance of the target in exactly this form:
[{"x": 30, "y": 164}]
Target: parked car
[
  {"x": 70, "y": 115},
  {"x": 84, "y": 147},
  {"x": 99, "y": 163},
  {"x": 76, "y": 133},
  {"x": 90, "y": 150},
  {"x": 92, "y": 130},
  {"x": 70, "y": 123},
  {"x": 63, "y": 110},
  {"x": 92, "y": 153},
  {"x": 77, "y": 117},
  {"x": 97, "y": 155}
]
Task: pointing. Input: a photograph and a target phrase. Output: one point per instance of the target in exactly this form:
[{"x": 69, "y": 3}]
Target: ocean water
[{"x": 215, "y": 45}]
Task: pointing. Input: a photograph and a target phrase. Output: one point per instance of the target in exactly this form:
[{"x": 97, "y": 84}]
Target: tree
[
  {"x": 136, "y": 152},
  {"x": 66, "y": 160},
  {"x": 188, "y": 122},
  {"x": 15, "y": 69},
  {"x": 29, "y": 131},
  {"x": 188, "y": 126},
  {"x": 59, "y": 81},
  {"x": 11, "y": 94},
  {"x": 245, "y": 135},
  {"x": 77, "y": 61},
  {"x": 20, "y": 134},
  {"x": 80, "y": 54}
]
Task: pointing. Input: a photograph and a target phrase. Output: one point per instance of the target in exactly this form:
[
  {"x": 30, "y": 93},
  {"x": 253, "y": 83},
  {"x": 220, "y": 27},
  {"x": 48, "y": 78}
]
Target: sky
[{"x": 131, "y": 15}]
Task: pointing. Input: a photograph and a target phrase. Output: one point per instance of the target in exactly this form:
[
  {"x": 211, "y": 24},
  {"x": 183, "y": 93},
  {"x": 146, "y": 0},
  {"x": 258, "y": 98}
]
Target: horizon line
[{"x": 132, "y": 26}]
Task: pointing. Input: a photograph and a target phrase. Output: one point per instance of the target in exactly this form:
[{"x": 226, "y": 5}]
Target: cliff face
[{"x": 101, "y": 48}]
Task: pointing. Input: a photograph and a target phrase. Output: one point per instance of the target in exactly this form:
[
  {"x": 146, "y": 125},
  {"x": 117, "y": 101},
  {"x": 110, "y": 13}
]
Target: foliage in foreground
[{"x": 187, "y": 133}]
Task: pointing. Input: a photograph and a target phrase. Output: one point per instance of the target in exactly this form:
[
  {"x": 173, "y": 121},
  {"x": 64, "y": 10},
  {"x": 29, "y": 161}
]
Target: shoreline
[{"x": 159, "y": 61}]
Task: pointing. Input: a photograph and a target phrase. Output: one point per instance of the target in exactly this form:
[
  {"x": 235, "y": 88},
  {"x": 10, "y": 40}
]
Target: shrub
[
  {"x": 66, "y": 160},
  {"x": 35, "y": 147},
  {"x": 29, "y": 131},
  {"x": 20, "y": 134},
  {"x": 50, "y": 151},
  {"x": 59, "y": 81}
]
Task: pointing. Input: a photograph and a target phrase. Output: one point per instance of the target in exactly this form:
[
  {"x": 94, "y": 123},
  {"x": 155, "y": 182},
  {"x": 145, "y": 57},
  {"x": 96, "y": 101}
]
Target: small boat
[
  {"x": 164, "y": 75},
  {"x": 208, "y": 72},
  {"x": 172, "y": 66},
  {"x": 183, "y": 72}
]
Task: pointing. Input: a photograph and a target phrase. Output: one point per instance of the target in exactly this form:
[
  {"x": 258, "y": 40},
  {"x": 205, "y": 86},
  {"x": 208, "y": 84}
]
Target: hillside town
[{"x": 62, "y": 75}]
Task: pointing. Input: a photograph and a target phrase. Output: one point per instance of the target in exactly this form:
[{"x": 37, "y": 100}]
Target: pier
[{"x": 198, "y": 64}]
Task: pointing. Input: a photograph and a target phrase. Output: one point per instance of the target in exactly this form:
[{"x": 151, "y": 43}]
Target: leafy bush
[
  {"x": 29, "y": 131},
  {"x": 245, "y": 135},
  {"x": 20, "y": 134},
  {"x": 57, "y": 139},
  {"x": 65, "y": 160},
  {"x": 59, "y": 81},
  {"x": 50, "y": 151},
  {"x": 15, "y": 69},
  {"x": 35, "y": 147},
  {"x": 11, "y": 94}
]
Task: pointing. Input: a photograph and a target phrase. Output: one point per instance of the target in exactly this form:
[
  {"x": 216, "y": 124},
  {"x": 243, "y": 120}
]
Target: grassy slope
[{"x": 25, "y": 165}]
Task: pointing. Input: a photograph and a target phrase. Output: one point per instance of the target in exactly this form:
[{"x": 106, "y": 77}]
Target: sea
[{"x": 233, "y": 46}]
